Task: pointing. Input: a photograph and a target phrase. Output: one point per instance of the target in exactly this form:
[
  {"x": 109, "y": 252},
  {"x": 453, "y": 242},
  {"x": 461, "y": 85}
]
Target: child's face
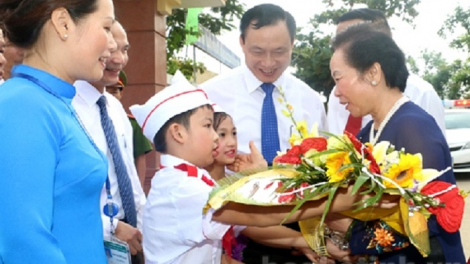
[
  {"x": 227, "y": 148},
  {"x": 202, "y": 139}
]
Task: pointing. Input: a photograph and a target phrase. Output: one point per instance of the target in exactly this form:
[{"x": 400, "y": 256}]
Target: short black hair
[
  {"x": 159, "y": 140},
  {"x": 363, "y": 46},
  {"x": 376, "y": 17},
  {"x": 265, "y": 15}
]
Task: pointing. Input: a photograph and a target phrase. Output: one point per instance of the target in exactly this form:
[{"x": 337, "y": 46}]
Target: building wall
[{"x": 146, "y": 70}]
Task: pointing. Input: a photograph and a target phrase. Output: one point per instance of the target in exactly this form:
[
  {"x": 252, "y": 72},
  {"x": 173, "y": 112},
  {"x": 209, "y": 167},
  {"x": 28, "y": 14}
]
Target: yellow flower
[
  {"x": 280, "y": 100},
  {"x": 333, "y": 164},
  {"x": 295, "y": 139},
  {"x": 286, "y": 113},
  {"x": 408, "y": 168},
  {"x": 302, "y": 128}
]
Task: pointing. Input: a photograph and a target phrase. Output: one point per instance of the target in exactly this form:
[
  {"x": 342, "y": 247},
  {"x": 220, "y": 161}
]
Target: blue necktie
[
  {"x": 124, "y": 183},
  {"x": 269, "y": 133}
]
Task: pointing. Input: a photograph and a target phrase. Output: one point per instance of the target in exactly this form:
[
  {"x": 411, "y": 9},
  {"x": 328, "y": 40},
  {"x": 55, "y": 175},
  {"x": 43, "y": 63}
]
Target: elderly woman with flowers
[{"x": 370, "y": 74}]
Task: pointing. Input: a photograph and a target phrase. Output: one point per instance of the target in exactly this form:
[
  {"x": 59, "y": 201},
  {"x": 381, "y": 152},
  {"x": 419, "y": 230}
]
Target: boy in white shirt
[{"x": 179, "y": 121}]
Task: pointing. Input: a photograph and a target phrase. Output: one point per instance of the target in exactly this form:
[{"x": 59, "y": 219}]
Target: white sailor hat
[
  {"x": 173, "y": 100},
  {"x": 217, "y": 108}
]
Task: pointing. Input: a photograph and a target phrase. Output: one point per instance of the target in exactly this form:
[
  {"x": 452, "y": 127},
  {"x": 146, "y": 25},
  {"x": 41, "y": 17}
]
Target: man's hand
[
  {"x": 253, "y": 160},
  {"x": 130, "y": 235}
]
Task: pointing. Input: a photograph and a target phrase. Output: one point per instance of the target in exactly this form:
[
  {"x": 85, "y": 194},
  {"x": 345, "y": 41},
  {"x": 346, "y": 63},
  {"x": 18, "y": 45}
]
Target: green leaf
[
  {"x": 372, "y": 187},
  {"x": 331, "y": 195},
  {"x": 359, "y": 182}
]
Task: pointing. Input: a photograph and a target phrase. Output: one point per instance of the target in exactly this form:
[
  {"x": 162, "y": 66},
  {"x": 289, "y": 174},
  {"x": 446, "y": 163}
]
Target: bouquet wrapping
[{"x": 315, "y": 167}]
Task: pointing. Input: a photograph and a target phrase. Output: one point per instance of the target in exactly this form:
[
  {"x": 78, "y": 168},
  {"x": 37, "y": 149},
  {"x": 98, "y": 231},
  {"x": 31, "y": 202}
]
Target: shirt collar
[
  {"x": 252, "y": 83},
  {"x": 87, "y": 92},
  {"x": 168, "y": 160},
  {"x": 54, "y": 84}
]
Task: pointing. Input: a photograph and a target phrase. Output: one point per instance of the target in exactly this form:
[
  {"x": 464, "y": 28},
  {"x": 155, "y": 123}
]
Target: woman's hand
[{"x": 253, "y": 160}]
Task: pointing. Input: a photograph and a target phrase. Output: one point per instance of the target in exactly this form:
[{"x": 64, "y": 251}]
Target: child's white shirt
[{"x": 174, "y": 227}]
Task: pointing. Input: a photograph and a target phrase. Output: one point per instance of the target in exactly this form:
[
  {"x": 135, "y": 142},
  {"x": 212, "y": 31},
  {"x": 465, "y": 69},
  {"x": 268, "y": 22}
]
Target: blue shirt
[{"x": 50, "y": 175}]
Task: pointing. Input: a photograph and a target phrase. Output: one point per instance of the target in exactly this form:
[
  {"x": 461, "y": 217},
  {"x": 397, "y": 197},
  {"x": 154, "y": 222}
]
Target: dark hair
[
  {"x": 24, "y": 19},
  {"x": 159, "y": 140},
  {"x": 363, "y": 46},
  {"x": 265, "y": 15},
  {"x": 376, "y": 17},
  {"x": 219, "y": 117}
]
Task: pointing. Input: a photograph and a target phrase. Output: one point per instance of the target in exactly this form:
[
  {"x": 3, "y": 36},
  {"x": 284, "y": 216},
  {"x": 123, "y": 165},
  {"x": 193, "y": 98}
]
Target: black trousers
[{"x": 256, "y": 253}]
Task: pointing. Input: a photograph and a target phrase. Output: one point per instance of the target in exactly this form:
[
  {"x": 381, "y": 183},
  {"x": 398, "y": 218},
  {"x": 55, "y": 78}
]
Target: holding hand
[
  {"x": 253, "y": 160},
  {"x": 130, "y": 235}
]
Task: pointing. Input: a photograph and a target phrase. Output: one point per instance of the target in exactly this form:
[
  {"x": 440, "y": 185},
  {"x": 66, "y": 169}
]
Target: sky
[{"x": 432, "y": 14}]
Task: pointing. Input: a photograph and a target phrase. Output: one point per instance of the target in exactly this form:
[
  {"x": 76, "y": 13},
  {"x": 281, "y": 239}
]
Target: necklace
[{"x": 373, "y": 138}]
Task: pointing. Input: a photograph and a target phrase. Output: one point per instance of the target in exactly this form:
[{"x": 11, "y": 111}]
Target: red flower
[
  {"x": 285, "y": 159},
  {"x": 317, "y": 143},
  {"x": 294, "y": 151},
  {"x": 291, "y": 157},
  {"x": 373, "y": 167},
  {"x": 450, "y": 216}
]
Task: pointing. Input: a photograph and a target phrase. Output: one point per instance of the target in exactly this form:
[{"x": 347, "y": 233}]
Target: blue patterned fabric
[
  {"x": 269, "y": 133},
  {"x": 125, "y": 185}
]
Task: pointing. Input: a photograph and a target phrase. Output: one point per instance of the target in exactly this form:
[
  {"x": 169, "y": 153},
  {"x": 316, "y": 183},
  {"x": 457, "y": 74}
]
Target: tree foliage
[
  {"x": 312, "y": 53},
  {"x": 218, "y": 20},
  {"x": 436, "y": 71},
  {"x": 455, "y": 76},
  {"x": 459, "y": 21}
]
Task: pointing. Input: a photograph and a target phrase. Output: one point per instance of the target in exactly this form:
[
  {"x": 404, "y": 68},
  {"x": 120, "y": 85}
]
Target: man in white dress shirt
[
  {"x": 85, "y": 103},
  {"x": 418, "y": 90},
  {"x": 267, "y": 52},
  {"x": 267, "y": 39}
]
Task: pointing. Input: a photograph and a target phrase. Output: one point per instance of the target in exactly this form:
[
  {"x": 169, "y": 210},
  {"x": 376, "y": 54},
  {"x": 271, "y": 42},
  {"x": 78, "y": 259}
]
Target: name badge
[{"x": 117, "y": 251}]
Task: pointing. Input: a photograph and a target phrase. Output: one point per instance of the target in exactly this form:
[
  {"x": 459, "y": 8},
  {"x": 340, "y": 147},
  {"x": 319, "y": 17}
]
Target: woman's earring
[
  {"x": 66, "y": 36},
  {"x": 374, "y": 82}
]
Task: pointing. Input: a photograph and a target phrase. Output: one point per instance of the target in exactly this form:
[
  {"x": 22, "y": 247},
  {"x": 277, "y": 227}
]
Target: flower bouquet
[{"x": 316, "y": 167}]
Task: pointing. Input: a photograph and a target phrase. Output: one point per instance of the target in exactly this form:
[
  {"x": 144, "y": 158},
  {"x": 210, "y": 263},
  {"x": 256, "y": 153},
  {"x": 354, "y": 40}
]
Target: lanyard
[{"x": 110, "y": 209}]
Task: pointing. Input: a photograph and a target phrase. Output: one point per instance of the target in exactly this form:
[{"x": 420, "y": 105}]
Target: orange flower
[{"x": 383, "y": 237}]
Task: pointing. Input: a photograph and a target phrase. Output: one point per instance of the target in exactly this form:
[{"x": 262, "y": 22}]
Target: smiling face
[
  {"x": 351, "y": 88},
  {"x": 90, "y": 44},
  {"x": 227, "y": 147},
  {"x": 267, "y": 50},
  {"x": 119, "y": 57},
  {"x": 201, "y": 138}
]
